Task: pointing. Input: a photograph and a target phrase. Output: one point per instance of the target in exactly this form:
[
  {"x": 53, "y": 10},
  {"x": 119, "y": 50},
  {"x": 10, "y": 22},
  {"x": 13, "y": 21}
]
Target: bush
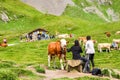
[
  {"x": 20, "y": 71},
  {"x": 40, "y": 69},
  {"x": 110, "y": 72},
  {"x": 2, "y": 0},
  {"x": 115, "y": 75},
  {"x": 6, "y": 64},
  {"x": 6, "y": 74},
  {"x": 105, "y": 72},
  {"x": 90, "y": 78},
  {"x": 82, "y": 78}
]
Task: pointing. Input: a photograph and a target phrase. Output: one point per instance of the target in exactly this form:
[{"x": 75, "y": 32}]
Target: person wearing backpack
[{"x": 89, "y": 50}]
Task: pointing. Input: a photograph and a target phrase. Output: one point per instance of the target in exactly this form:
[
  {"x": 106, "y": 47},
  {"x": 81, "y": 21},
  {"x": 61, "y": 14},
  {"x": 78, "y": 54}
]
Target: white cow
[
  {"x": 118, "y": 32},
  {"x": 63, "y": 36},
  {"x": 116, "y": 40},
  {"x": 104, "y": 45},
  {"x": 83, "y": 40}
]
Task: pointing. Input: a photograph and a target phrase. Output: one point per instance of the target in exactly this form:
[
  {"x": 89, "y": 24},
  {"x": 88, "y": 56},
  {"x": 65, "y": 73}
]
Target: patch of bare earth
[{"x": 117, "y": 71}]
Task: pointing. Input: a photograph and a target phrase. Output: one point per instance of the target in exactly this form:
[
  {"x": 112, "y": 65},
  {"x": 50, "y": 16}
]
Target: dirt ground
[{"x": 53, "y": 74}]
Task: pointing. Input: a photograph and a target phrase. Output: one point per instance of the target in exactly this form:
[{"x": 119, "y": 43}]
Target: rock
[
  {"x": 104, "y": 2},
  {"x": 112, "y": 15},
  {"x": 90, "y": 1},
  {"x": 54, "y": 7},
  {"x": 95, "y": 10},
  {"x": 4, "y": 17}
]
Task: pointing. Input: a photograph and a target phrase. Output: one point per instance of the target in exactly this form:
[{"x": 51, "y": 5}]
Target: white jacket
[{"x": 89, "y": 47}]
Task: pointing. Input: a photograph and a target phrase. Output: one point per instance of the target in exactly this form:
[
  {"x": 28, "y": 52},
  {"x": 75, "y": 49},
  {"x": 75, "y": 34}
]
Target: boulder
[{"x": 4, "y": 17}]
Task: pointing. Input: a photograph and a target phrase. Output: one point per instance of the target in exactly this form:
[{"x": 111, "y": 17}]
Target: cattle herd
[
  {"x": 59, "y": 49},
  {"x": 106, "y": 46}
]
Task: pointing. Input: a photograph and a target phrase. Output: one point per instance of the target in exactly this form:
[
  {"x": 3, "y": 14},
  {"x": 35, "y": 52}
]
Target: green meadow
[{"x": 73, "y": 20}]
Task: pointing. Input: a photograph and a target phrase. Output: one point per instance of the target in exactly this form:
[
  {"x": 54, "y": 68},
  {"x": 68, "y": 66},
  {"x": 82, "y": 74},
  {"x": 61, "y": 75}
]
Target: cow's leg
[
  {"x": 109, "y": 49},
  {"x": 100, "y": 49},
  {"x": 61, "y": 63},
  {"x": 54, "y": 65},
  {"x": 48, "y": 60},
  {"x": 65, "y": 61}
]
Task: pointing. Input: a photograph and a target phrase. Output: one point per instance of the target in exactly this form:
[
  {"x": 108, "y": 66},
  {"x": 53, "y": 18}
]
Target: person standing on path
[{"x": 90, "y": 51}]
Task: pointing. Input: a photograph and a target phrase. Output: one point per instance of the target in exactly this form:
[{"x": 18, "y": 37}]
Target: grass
[
  {"x": 82, "y": 78},
  {"x": 74, "y": 21},
  {"x": 39, "y": 69}
]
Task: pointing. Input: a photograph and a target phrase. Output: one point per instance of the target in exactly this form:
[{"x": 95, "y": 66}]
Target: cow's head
[{"x": 63, "y": 43}]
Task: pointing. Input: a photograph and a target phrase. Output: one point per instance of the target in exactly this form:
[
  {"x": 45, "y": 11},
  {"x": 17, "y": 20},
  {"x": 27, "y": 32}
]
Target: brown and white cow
[
  {"x": 3, "y": 44},
  {"x": 84, "y": 40},
  {"x": 58, "y": 49}
]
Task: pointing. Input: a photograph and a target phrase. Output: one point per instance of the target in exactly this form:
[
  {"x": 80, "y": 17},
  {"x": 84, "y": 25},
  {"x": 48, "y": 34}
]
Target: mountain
[{"x": 100, "y": 8}]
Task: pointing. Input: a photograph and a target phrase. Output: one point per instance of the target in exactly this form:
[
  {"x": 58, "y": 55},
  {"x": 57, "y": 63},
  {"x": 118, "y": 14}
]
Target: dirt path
[
  {"x": 117, "y": 71},
  {"x": 50, "y": 74}
]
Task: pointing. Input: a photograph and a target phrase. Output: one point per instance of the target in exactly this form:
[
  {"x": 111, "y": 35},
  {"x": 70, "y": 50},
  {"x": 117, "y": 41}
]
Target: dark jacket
[{"x": 76, "y": 50}]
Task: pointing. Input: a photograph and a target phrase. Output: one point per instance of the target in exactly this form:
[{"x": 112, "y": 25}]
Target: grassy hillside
[
  {"x": 74, "y": 20},
  {"x": 77, "y": 12},
  {"x": 29, "y": 19}
]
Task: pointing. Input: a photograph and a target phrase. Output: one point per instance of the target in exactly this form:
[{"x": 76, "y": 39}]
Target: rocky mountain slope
[
  {"x": 101, "y": 8},
  {"x": 55, "y": 7}
]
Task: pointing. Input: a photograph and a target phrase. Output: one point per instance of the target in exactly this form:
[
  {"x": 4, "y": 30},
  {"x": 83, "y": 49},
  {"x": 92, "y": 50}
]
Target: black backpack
[{"x": 96, "y": 71}]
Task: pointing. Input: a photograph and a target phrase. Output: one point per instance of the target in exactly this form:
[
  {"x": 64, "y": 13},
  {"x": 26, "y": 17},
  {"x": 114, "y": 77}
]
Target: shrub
[
  {"x": 6, "y": 65},
  {"x": 110, "y": 72},
  {"x": 20, "y": 71},
  {"x": 105, "y": 72},
  {"x": 82, "y": 78},
  {"x": 40, "y": 69},
  {"x": 90, "y": 78},
  {"x": 115, "y": 75},
  {"x": 2, "y": 0},
  {"x": 6, "y": 74}
]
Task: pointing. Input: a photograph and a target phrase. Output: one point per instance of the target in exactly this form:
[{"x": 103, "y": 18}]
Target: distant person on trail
[
  {"x": 76, "y": 50},
  {"x": 5, "y": 40},
  {"x": 89, "y": 49}
]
